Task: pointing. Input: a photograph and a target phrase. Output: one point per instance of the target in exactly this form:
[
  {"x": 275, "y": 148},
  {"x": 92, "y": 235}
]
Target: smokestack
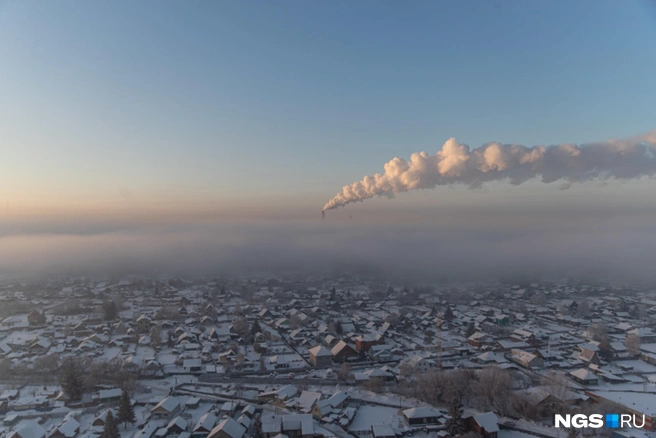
[
  {"x": 456, "y": 163},
  {"x": 323, "y": 214}
]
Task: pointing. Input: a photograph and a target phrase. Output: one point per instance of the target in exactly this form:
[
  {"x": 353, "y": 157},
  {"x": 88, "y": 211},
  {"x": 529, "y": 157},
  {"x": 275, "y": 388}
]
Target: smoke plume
[{"x": 456, "y": 163}]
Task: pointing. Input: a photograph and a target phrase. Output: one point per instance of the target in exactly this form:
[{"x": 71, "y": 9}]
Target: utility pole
[{"x": 438, "y": 326}]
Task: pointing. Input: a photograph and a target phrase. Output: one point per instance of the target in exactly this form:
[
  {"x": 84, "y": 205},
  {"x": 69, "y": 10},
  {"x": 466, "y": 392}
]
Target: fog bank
[{"x": 619, "y": 246}]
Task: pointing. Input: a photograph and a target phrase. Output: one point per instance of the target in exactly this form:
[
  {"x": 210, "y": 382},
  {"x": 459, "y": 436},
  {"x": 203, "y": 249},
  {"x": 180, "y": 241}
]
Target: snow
[
  {"x": 383, "y": 430},
  {"x": 488, "y": 421},
  {"x": 320, "y": 351},
  {"x": 169, "y": 404},
  {"x": 230, "y": 427},
  {"x": 206, "y": 422},
  {"x": 30, "y": 429},
  {"x": 421, "y": 412},
  {"x": 583, "y": 374},
  {"x": 367, "y": 416},
  {"x": 642, "y": 402},
  {"x": 69, "y": 428}
]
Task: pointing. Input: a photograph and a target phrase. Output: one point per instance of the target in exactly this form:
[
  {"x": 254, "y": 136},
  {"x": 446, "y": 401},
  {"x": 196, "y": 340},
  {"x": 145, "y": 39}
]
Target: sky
[{"x": 121, "y": 113}]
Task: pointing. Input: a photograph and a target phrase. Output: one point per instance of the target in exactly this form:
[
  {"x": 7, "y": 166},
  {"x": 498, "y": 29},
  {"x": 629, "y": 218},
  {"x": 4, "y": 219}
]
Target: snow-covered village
[{"x": 320, "y": 357}]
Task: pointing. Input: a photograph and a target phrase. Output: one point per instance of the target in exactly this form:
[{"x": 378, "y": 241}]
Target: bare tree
[
  {"x": 583, "y": 309},
  {"x": 605, "y": 349},
  {"x": 597, "y": 331},
  {"x": 493, "y": 390},
  {"x": 156, "y": 336},
  {"x": 405, "y": 370},
  {"x": 559, "y": 386},
  {"x": 344, "y": 372},
  {"x": 539, "y": 299},
  {"x": 295, "y": 322},
  {"x": 5, "y": 367},
  {"x": 262, "y": 363},
  {"x": 429, "y": 387},
  {"x": 523, "y": 408},
  {"x": 47, "y": 366},
  {"x": 632, "y": 343},
  {"x": 375, "y": 384},
  {"x": 239, "y": 387},
  {"x": 240, "y": 325},
  {"x": 240, "y": 360}
]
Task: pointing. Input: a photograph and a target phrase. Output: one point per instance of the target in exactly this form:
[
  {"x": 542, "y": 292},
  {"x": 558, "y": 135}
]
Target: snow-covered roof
[
  {"x": 179, "y": 422},
  {"x": 367, "y": 416},
  {"x": 339, "y": 347},
  {"x": 305, "y": 401},
  {"x": 382, "y": 430},
  {"x": 169, "y": 404},
  {"x": 30, "y": 429},
  {"x": 320, "y": 351},
  {"x": 272, "y": 424},
  {"x": 250, "y": 409},
  {"x": 421, "y": 412},
  {"x": 583, "y": 374},
  {"x": 283, "y": 393},
  {"x": 643, "y": 402},
  {"x": 69, "y": 428},
  {"x": 109, "y": 393},
  {"x": 230, "y": 427},
  {"x": 490, "y": 356},
  {"x": 488, "y": 421},
  {"x": 206, "y": 422}
]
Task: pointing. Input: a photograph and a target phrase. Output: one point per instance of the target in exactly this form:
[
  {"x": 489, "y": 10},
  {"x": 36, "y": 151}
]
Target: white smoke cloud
[{"x": 456, "y": 163}]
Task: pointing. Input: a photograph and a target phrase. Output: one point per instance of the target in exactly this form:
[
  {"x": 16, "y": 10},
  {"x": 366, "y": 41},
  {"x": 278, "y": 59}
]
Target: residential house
[
  {"x": 68, "y": 429},
  {"x": 589, "y": 356},
  {"x": 584, "y": 376},
  {"x": 281, "y": 394},
  {"x": 486, "y": 425},
  {"x": 342, "y": 352},
  {"x": 293, "y": 426},
  {"x": 365, "y": 342},
  {"x": 176, "y": 426},
  {"x": 30, "y": 429},
  {"x": 167, "y": 408},
  {"x": 204, "y": 425},
  {"x": 320, "y": 357},
  {"x": 421, "y": 364},
  {"x": 480, "y": 339},
  {"x": 143, "y": 324},
  {"x": 228, "y": 428},
  {"x": 382, "y": 431},
  {"x": 422, "y": 416},
  {"x": 192, "y": 365},
  {"x": 335, "y": 402},
  {"x": 36, "y": 318},
  {"x": 526, "y": 359}
]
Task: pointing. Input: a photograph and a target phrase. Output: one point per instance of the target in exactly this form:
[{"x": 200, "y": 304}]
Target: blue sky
[{"x": 154, "y": 101}]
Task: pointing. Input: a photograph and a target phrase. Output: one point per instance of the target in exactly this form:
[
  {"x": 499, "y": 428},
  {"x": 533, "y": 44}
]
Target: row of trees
[
  {"x": 73, "y": 385},
  {"x": 79, "y": 375},
  {"x": 125, "y": 415},
  {"x": 494, "y": 389},
  {"x": 488, "y": 389}
]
